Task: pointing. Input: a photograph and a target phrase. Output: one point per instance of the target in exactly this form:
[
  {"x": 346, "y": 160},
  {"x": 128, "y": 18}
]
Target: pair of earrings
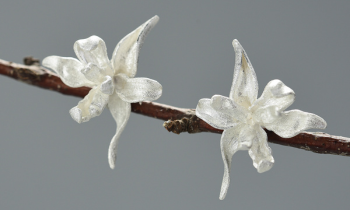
[{"x": 242, "y": 115}]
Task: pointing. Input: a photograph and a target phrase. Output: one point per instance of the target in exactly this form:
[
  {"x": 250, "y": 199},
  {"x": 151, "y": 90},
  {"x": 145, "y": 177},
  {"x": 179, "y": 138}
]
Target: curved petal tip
[
  {"x": 264, "y": 166},
  {"x": 322, "y": 124},
  {"x": 111, "y": 162},
  {"x": 235, "y": 42},
  {"x": 76, "y": 114},
  {"x": 155, "y": 19},
  {"x": 224, "y": 188},
  {"x": 112, "y": 156}
]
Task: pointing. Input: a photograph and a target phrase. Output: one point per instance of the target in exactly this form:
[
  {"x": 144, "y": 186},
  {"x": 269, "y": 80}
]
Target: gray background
[{"x": 48, "y": 161}]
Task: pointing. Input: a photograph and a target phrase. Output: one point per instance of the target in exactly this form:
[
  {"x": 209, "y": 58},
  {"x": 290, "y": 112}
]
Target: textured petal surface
[
  {"x": 137, "y": 89},
  {"x": 246, "y": 136},
  {"x": 214, "y": 117},
  {"x": 107, "y": 86},
  {"x": 93, "y": 50},
  {"x": 260, "y": 152},
  {"x": 244, "y": 88},
  {"x": 125, "y": 56},
  {"x": 229, "y": 145},
  {"x": 92, "y": 105},
  {"x": 275, "y": 99},
  {"x": 120, "y": 111},
  {"x": 68, "y": 69},
  {"x": 93, "y": 73},
  {"x": 98, "y": 103},
  {"x": 81, "y": 112},
  {"x": 292, "y": 122},
  {"x": 225, "y": 106}
]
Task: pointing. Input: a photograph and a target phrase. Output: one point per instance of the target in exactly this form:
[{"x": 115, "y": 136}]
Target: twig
[{"x": 178, "y": 120}]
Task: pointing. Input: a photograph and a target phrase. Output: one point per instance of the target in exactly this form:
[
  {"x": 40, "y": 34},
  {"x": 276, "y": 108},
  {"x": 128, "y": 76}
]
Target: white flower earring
[
  {"x": 111, "y": 81},
  {"x": 243, "y": 117}
]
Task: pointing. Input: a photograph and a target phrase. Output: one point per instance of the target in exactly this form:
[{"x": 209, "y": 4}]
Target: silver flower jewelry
[
  {"x": 111, "y": 81},
  {"x": 242, "y": 116}
]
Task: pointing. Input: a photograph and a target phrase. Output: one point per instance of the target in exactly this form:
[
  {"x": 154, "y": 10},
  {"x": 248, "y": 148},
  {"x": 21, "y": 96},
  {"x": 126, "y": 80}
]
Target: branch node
[
  {"x": 28, "y": 76},
  {"x": 31, "y": 61},
  {"x": 190, "y": 125}
]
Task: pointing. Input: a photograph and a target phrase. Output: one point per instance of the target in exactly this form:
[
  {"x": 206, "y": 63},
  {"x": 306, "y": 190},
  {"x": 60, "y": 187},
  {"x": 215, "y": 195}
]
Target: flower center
[{"x": 250, "y": 119}]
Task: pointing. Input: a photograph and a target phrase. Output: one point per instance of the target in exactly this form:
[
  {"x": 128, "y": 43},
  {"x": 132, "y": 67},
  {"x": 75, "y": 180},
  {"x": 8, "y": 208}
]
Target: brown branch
[{"x": 178, "y": 120}]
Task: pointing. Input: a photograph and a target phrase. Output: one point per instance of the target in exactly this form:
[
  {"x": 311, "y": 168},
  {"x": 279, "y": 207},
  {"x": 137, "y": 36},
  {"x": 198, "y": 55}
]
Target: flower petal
[
  {"x": 93, "y": 50},
  {"x": 226, "y": 106},
  {"x": 93, "y": 73},
  {"x": 220, "y": 112},
  {"x": 91, "y": 106},
  {"x": 81, "y": 112},
  {"x": 244, "y": 88},
  {"x": 292, "y": 122},
  {"x": 107, "y": 86},
  {"x": 213, "y": 116},
  {"x": 98, "y": 103},
  {"x": 120, "y": 111},
  {"x": 275, "y": 99},
  {"x": 246, "y": 137},
  {"x": 125, "y": 56},
  {"x": 137, "y": 89},
  {"x": 229, "y": 145},
  {"x": 68, "y": 69},
  {"x": 260, "y": 152}
]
